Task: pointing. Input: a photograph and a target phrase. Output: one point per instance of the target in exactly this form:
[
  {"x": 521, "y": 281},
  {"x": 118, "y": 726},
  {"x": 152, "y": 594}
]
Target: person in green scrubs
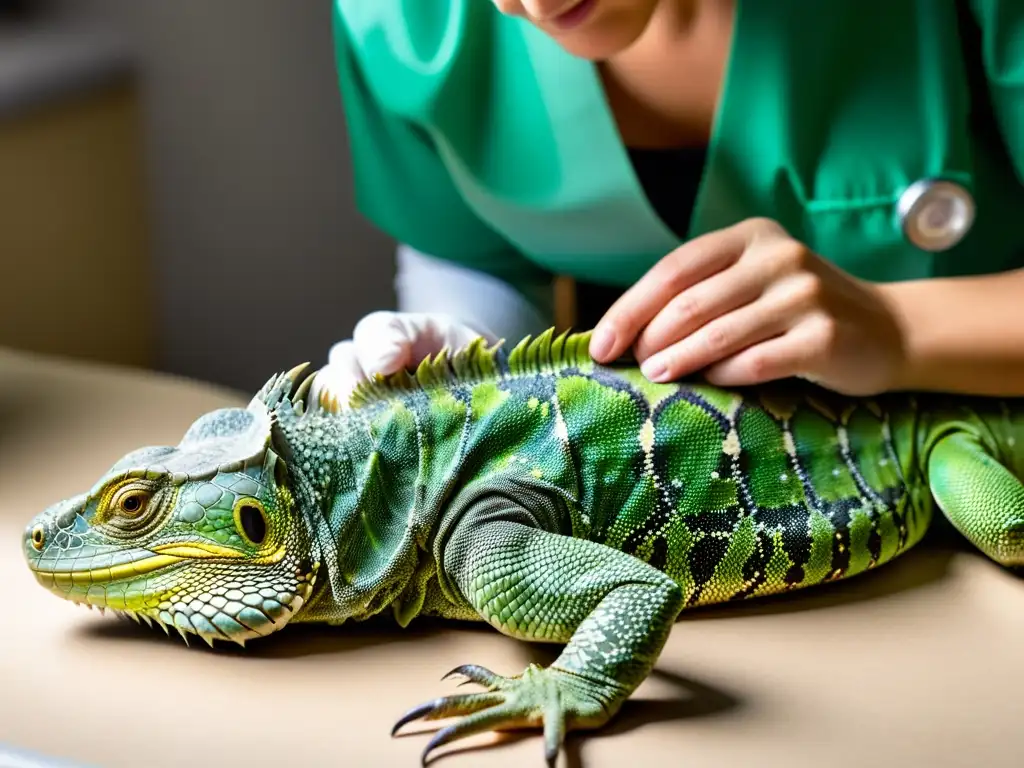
[{"x": 741, "y": 190}]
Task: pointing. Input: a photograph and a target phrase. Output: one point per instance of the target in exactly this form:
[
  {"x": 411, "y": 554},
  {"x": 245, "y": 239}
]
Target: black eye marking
[
  {"x": 131, "y": 504},
  {"x": 253, "y": 523}
]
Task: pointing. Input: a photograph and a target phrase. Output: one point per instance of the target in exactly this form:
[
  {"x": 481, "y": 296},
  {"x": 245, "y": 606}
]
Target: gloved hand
[{"x": 386, "y": 342}]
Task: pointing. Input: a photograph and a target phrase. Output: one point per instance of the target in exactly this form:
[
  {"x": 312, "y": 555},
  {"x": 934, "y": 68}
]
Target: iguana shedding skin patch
[{"x": 554, "y": 498}]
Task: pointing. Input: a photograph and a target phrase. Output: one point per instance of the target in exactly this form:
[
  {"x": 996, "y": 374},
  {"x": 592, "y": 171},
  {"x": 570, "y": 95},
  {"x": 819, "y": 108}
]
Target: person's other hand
[
  {"x": 749, "y": 304},
  {"x": 386, "y": 342}
]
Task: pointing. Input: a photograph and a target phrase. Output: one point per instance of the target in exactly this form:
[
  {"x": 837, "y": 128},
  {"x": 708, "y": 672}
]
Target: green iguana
[{"x": 558, "y": 500}]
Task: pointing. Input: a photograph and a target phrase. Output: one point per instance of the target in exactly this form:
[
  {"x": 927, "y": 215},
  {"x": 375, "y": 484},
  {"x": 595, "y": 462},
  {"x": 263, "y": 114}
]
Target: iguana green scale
[{"x": 556, "y": 499}]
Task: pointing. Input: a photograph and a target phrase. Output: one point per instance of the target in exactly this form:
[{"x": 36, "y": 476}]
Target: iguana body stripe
[{"x": 554, "y": 498}]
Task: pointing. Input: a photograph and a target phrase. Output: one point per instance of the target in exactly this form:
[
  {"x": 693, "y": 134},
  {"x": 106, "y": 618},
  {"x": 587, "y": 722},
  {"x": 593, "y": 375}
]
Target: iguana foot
[{"x": 548, "y": 697}]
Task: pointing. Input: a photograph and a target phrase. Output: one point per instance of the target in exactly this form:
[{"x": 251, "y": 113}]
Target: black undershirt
[{"x": 670, "y": 179}]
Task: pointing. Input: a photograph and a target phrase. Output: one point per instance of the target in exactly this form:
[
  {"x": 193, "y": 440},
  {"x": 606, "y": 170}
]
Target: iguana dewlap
[{"x": 556, "y": 499}]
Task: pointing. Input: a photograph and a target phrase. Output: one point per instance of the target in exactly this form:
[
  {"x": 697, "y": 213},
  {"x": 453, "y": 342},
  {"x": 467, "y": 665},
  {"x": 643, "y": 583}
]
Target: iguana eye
[
  {"x": 131, "y": 502},
  {"x": 251, "y": 521},
  {"x": 38, "y": 537}
]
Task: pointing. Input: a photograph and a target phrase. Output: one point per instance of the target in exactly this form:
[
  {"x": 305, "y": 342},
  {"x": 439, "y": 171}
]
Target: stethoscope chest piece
[{"x": 935, "y": 214}]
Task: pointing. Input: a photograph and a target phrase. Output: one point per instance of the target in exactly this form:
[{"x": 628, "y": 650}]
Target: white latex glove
[{"x": 386, "y": 342}]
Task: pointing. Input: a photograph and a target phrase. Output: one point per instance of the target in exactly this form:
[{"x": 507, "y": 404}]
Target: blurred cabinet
[{"x": 75, "y": 268}]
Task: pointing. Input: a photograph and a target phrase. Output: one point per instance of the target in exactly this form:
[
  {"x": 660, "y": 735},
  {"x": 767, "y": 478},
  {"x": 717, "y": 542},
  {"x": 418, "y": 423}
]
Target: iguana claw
[
  {"x": 539, "y": 697},
  {"x": 474, "y": 674},
  {"x": 448, "y": 706}
]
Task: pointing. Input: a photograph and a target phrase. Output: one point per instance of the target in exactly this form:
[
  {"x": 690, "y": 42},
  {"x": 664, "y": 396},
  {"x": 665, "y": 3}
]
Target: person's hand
[
  {"x": 386, "y": 342},
  {"x": 749, "y": 304}
]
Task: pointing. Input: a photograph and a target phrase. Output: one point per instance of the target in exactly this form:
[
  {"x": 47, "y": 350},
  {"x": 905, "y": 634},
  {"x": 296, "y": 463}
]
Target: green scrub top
[{"x": 476, "y": 138}]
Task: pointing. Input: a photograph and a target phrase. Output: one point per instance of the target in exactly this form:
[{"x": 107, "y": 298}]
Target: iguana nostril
[{"x": 38, "y": 537}]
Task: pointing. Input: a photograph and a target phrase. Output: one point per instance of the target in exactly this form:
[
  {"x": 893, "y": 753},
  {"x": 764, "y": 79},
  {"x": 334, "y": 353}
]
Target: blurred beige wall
[
  {"x": 260, "y": 259},
  {"x": 76, "y": 277}
]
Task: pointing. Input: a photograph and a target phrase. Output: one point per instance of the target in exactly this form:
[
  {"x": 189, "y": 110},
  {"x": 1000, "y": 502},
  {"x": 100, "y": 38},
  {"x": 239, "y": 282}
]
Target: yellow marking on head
[
  {"x": 50, "y": 579},
  {"x": 195, "y": 550}
]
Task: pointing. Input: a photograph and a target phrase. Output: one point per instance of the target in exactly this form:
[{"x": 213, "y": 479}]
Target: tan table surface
[{"x": 920, "y": 663}]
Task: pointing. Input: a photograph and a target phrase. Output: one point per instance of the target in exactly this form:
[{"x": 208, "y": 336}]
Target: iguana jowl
[{"x": 556, "y": 499}]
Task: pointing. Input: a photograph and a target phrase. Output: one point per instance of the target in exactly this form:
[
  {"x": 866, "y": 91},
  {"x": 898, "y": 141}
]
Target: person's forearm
[{"x": 962, "y": 335}]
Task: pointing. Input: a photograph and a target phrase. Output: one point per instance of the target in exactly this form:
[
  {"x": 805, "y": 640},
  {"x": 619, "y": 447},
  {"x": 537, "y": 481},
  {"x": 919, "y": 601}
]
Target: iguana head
[{"x": 203, "y": 537}]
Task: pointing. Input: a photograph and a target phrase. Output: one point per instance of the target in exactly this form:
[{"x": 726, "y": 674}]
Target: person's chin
[{"x": 599, "y": 38}]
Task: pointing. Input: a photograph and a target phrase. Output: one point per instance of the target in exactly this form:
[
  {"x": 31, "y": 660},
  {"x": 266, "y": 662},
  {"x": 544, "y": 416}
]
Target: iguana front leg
[{"x": 614, "y": 611}]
